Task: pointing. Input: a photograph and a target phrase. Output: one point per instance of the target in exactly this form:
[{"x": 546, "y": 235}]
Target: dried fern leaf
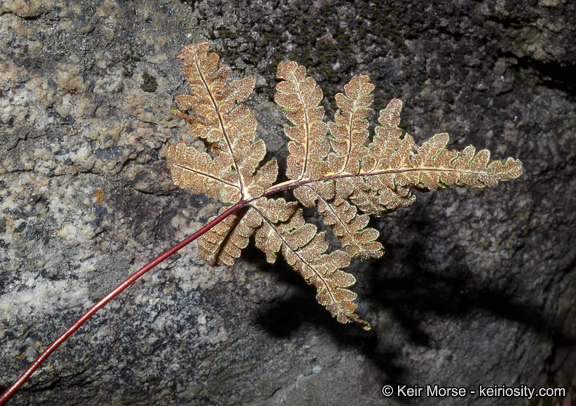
[{"x": 342, "y": 176}]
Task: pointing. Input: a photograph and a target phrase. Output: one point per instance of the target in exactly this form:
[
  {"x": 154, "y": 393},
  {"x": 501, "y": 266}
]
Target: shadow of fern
[{"x": 419, "y": 294}]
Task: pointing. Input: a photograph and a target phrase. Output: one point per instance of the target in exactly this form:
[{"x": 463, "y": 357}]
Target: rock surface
[{"x": 478, "y": 287}]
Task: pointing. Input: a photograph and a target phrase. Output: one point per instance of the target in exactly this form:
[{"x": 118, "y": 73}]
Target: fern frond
[{"x": 347, "y": 176}]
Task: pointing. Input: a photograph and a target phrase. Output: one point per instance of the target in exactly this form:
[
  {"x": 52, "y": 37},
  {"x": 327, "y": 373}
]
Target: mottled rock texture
[{"x": 477, "y": 286}]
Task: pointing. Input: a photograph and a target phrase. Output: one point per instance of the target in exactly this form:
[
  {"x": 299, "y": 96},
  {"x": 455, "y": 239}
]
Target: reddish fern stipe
[{"x": 347, "y": 176}]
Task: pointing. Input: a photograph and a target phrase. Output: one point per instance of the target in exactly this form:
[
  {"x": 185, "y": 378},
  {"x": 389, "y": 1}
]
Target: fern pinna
[{"x": 333, "y": 166}]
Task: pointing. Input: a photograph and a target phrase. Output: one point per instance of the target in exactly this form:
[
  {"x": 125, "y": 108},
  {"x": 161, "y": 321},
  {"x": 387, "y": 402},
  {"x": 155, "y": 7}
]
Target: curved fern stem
[{"x": 12, "y": 389}]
